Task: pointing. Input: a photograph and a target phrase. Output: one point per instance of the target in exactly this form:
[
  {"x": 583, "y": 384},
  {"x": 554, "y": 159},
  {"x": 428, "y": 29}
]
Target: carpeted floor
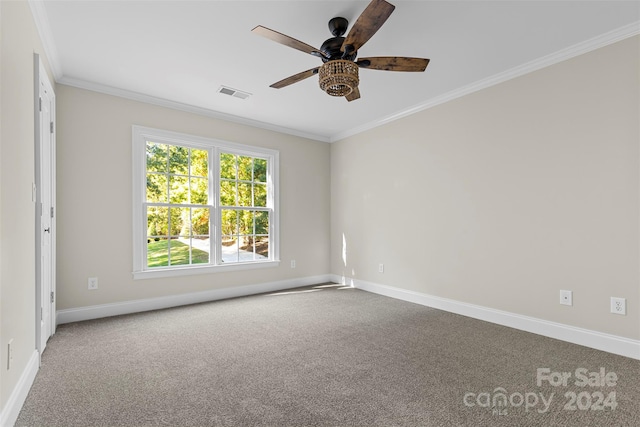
[{"x": 322, "y": 356}]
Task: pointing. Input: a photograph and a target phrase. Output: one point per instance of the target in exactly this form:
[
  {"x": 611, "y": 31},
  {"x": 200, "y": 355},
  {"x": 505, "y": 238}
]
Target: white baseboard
[
  {"x": 588, "y": 338},
  {"x": 11, "y": 410},
  {"x": 136, "y": 306}
]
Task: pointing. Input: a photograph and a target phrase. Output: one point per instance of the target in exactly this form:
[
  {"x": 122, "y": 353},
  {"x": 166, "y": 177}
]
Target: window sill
[{"x": 208, "y": 269}]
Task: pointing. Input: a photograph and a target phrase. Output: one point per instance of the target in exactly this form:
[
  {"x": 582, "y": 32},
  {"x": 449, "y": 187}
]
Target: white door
[{"x": 46, "y": 191}]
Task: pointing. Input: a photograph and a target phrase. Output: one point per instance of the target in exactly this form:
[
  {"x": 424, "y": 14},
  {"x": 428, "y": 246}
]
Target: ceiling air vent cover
[{"x": 233, "y": 92}]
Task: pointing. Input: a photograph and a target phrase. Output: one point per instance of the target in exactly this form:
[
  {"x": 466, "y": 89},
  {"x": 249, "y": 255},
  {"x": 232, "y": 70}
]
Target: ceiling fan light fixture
[{"x": 338, "y": 77}]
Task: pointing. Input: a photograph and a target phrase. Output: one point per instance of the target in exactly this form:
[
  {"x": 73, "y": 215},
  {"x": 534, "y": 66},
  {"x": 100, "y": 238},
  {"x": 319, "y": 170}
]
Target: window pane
[
  {"x": 260, "y": 170},
  {"x": 156, "y": 188},
  {"x": 260, "y": 195},
  {"x": 179, "y": 191},
  {"x": 199, "y": 251},
  {"x": 158, "y": 253},
  {"x": 227, "y": 166},
  {"x": 156, "y": 157},
  {"x": 178, "y": 160},
  {"x": 200, "y": 236},
  {"x": 227, "y": 193},
  {"x": 229, "y": 222},
  {"x": 245, "y": 167},
  {"x": 157, "y": 223},
  {"x": 230, "y": 225},
  {"x": 247, "y": 249},
  {"x": 200, "y": 222},
  {"x": 229, "y": 249},
  {"x": 245, "y": 222},
  {"x": 244, "y": 194},
  {"x": 199, "y": 162},
  {"x": 262, "y": 222},
  {"x": 179, "y": 253},
  {"x": 180, "y": 222},
  {"x": 262, "y": 247},
  {"x": 199, "y": 191}
]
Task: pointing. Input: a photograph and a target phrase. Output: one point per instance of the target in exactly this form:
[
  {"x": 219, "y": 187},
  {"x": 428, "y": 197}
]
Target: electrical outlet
[
  {"x": 566, "y": 297},
  {"x": 293, "y": 263},
  {"x": 618, "y": 305},
  {"x": 92, "y": 283},
  {"x": 381, "y": 268},
  {"x": 9, "y": 353}
]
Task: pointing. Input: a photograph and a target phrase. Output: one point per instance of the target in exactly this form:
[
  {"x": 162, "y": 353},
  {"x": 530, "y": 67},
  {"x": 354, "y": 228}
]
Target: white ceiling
[{"x": 179, "y": 53}]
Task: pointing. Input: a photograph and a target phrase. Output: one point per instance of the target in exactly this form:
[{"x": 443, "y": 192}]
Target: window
[{"x": 201, "y": 205}]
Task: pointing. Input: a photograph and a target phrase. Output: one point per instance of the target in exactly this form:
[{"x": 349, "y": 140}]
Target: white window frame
[{"x": 140, "y": 136}]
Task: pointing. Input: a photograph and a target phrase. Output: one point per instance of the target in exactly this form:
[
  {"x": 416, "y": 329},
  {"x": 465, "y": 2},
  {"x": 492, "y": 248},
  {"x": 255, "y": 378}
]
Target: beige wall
[
  {"x": 505, "y": 196},
  {"x": 19, "y": 41},
  {"x": 95, "y": 200},
  {"x": 499, "y": 199}
]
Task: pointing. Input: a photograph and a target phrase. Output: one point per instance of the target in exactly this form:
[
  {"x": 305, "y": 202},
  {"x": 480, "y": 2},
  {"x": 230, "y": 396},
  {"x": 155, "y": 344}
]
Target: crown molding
[
  {"x": 161, "y": 102},
  {"x": 46, "y": 36},
  {"x": 586, "y": 46},
  {"x": 42, "y": 24}
]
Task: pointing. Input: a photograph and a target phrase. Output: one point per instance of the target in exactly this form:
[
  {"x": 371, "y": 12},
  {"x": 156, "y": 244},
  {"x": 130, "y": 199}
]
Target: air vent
[{"x": 233, "y": 92}]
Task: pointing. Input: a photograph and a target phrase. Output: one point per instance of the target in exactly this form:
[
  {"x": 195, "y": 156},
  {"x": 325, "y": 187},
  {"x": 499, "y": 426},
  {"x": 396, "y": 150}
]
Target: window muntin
[{"x": 202, "y": 204}]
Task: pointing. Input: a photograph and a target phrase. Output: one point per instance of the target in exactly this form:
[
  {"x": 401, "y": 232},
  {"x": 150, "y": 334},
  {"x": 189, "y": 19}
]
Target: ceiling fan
[{"x": 338, "y": 75}]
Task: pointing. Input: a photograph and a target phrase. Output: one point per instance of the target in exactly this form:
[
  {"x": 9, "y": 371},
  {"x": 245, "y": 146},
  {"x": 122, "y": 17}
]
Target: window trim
[{"x": 140, "y": 136}]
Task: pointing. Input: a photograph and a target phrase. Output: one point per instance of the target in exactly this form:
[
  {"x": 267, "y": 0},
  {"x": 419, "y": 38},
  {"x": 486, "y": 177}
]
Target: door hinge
[
  {"x": 52, "y": 297},
  {"x": 41, "y": 314},
  {"x": 39, "y": 104},
  {"x": 51, "y": 127},
  {"x": 51, "y": 211}
]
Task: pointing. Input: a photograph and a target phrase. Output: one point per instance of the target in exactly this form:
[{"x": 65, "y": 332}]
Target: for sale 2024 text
[{"x": 582, "y": 377}]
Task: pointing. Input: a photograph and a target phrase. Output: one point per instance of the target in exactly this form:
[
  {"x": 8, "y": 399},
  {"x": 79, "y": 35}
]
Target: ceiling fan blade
[
  {"x": 295, "y": 78},
  {"x": 286, "y": 40},
  {"x": 367, "y": 24},
  {"x": 393, "y": 63},
  {"x": 355, "y": 94}
]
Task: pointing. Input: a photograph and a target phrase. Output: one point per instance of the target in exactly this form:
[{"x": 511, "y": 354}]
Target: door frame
[{"x": 41, "y": 79}]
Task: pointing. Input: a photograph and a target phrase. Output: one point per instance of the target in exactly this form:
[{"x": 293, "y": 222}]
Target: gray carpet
[{"x": 318, "y": 356}]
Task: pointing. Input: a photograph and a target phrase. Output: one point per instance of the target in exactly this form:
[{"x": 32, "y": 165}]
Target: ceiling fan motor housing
[{"x": 332, "y": 48}]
